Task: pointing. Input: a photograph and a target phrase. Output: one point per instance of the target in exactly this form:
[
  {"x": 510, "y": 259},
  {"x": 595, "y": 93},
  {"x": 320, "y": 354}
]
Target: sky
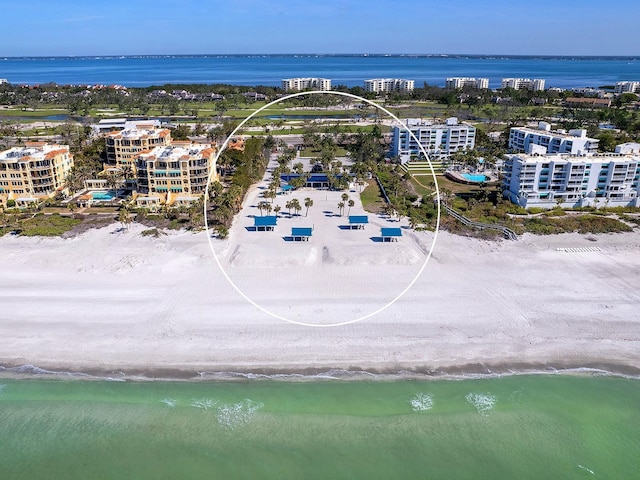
[{"x": 148, "y": 27}]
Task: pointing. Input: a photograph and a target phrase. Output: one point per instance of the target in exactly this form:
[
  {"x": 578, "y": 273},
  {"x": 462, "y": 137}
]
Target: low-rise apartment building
[
  {"x": 457, "y": 83},
  {"x": 176, "y": 172},
  {"x": 543, "y": 140},
  {"x": 297, "y": 84},
  {"x": 123, "y": 147},
  {"x": 35, "y": 171},
  {"x": 438, "y": 140},
  {"x": 598, "y": 180},
  {"x": 389, "y": 85},
  {"x": 534, "y": 85}
]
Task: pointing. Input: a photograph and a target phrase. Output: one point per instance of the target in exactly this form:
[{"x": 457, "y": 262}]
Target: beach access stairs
[{"x": 507, "y": 232}]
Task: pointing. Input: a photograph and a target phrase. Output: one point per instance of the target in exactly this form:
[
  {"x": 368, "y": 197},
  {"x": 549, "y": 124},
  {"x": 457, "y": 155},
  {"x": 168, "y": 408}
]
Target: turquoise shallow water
[{"x": 521, "y": 427}]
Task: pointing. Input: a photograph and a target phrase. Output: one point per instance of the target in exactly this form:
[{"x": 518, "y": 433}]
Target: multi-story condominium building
[
  {"x": 177, "y": 171},
  {"x": 124, "y": 146},
  {"x": 387, "y": 85},
  {"x": 545, "y": 181},
  {"x": 523, "y": 84},
  {"x": 35, "y": 171},
  {"x": 543, "y": 140},
  {"x": 438, "y": 140},
  {"x": 627, "y": 87},
  {"x": 296, "y": 84},
  {"x": 456, "y": 83}
]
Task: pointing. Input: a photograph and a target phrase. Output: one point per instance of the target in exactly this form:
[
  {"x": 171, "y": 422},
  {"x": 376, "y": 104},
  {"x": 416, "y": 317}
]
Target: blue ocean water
[{"x": 350, "y": 70}]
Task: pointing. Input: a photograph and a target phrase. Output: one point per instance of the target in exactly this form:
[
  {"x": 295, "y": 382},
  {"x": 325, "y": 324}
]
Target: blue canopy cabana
[
  {"x": 265, "y": 223},
  {"x": 358, "y": 221},
  {"x": 390, "y": 234},
  {"x": 301, "y": 234}
]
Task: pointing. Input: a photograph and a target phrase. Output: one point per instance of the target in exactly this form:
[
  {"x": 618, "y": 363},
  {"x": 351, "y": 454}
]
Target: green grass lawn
[
  {"x": 310, "y": 152},
  {"x": 371, "y": 197}
]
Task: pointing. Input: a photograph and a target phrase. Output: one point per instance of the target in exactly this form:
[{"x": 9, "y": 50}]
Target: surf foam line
[{"x": 168, "y": 374}]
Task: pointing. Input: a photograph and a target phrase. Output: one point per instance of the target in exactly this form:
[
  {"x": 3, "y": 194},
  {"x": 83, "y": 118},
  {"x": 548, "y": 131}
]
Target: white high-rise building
[
  {"x": 626, "y": 87},
  {"x": 534, "y": 85},
  {"x": 543, "y": 140},
  {"x": 456, "y": 83},
  {"x": 438, "y": 140},
  {"x": 296, "y": 84},
  {"x": 387, "y": 85},
  {"x": 598, "y": 180}
]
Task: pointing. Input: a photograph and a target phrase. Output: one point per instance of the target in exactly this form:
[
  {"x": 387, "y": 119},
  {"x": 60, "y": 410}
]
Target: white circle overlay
[{"x": 210, "y": 237}]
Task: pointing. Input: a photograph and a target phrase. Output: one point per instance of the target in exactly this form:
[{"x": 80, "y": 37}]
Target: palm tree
[
  {"x": 289, "y": 206},
  {"x": 351, "y": 204},
  {"x": 298, "y": 168},
  {"x": 114, "y": 179},
  {"x": 307, "y": 203},
  {"x": 123, "y": 218},
  {"x": 296, "y": 206},
  {"x": 341, "y": 207},
  {"x": 276, "y": 209},
  {"x": 264, "y": 206},
  {"x": 270, "y": 194},
  {"x": 345, "y": 197}
]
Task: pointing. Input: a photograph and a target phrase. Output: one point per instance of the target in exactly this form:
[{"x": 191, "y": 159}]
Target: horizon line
[{"x": 362, "y": 54}]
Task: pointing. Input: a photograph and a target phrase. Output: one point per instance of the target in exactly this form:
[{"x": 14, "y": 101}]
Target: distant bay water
[{"x": 350, "y": 70}]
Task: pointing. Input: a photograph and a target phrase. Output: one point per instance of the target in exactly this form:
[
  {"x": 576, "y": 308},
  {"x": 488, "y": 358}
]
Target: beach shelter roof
[
  {"x": 358, "y": 219},
  {"x": 391, "y": 232},
  {"x": 268, "y": 221},
  {"x": 301, "y": 231}
]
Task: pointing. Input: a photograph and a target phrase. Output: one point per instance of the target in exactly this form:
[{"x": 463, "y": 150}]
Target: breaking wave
[
  {"x": 422, "y": 402},
  {"x": 483, "y": 402},
  {"x": 234, "y": 415}
]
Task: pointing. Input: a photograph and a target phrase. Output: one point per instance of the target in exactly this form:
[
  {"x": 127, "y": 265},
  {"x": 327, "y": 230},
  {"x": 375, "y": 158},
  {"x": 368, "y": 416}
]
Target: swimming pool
[
  {"x": 475, "y": 178},
  {"x": 103, "y": 195}
]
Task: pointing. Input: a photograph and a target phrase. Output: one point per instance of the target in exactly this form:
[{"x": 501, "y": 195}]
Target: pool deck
[{"x": 460, "y": 178}]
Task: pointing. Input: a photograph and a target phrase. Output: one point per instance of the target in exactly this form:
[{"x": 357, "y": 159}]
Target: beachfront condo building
[
  {"x": 389, "y": 85},
  {"x": 626, "y": 87},
  {"x": 297, "y": 84},
  {"x": 543, "y": 140},
  {"x": 599, "y": 180},
  {"x": 33, "y": 172},
  {"x": 534, "y": 85},
  {"x": 457, "y": 83},
  {"x": 440, "y": 141},
  {"x": 175, "y": 173},
  {"x": 123, "y": 147}
]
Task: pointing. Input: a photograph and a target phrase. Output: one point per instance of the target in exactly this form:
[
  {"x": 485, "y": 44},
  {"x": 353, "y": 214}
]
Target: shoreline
[{"x": 303, "y": 374}]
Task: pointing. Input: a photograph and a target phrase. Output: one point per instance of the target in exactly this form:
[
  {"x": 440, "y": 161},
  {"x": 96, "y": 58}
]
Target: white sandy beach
[{"x": 109, "y": 301}]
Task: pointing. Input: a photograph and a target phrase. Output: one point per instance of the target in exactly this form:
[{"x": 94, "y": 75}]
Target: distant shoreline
[{"x": 339, "y": 55}]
